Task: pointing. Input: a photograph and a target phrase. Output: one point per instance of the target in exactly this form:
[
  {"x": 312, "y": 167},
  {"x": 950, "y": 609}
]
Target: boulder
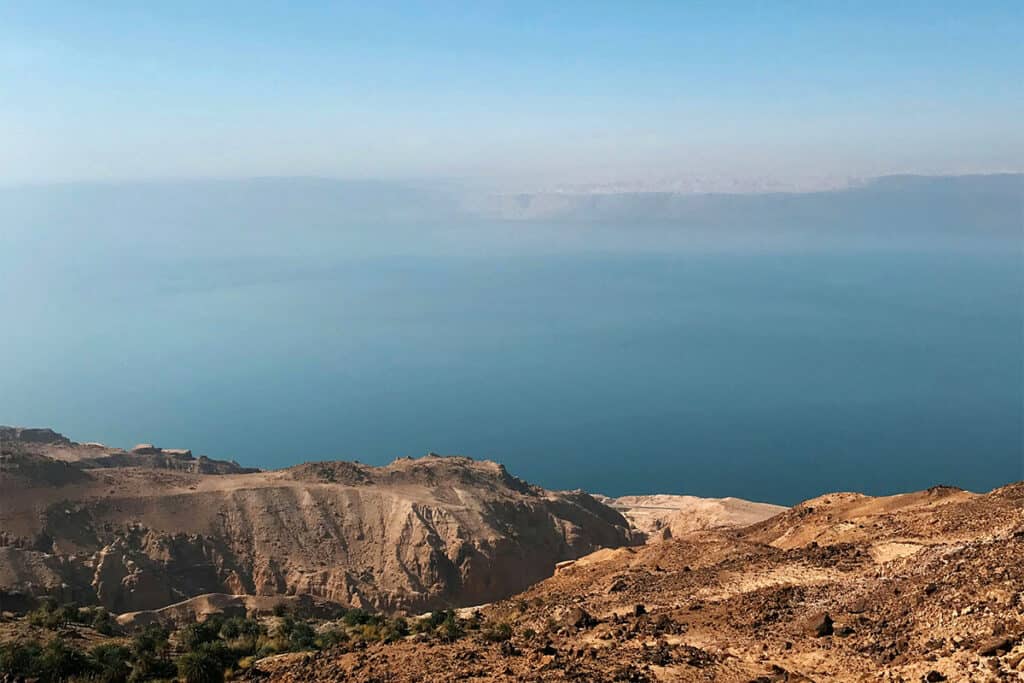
[
  {"x": 991, "y": 647},
  {"x": 821, "y": 625},
  {"x": 577, "y": 617}
]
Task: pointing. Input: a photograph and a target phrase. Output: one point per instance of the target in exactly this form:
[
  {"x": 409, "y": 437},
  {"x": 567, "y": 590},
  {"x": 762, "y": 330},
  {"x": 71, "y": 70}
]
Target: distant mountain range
[{"x": 987, "y": 202}]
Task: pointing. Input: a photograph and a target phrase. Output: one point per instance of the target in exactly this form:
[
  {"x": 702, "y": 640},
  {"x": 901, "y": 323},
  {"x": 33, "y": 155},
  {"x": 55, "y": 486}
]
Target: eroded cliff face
[
  {"x": 135, "y": 534},
  {"x": 925, "y": 586}
]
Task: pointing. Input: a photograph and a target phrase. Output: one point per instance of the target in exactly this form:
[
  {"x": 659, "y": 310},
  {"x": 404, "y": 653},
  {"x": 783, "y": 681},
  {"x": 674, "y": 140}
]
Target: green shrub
[
  {"x": 236, "y": 627},
  {"x": 58, "y": 662},
  {"x": 301, "y": 636},
  {"x": 48, "y": 616},
  {"x": 358, "y": 617},
  {"x": 330, "y": 637},
  {"x": 451, "y": 628},
  {"x": 396, "y": 629},
  {"x": 146, "y": 666},
  {"x": 200, "y": 666},
  {"x": 497, "y": 633},
  {"x": 369, "y": 633},
  {"x": 151, "y": 640},
  {"x": 192, "y": 636},
  {"x": 111, "y": 662},
  {"x": 221, "y": 652},
  {"x": 20, "y": 658},
  {"x": 104, "y": 622}
]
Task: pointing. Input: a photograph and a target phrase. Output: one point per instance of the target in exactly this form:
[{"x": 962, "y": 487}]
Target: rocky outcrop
[
  {"x": 414, "y": 535},
  {"x": 813, "y": 604},
  {"x": 666, "y": 516},
  {"x": 32, "y": 435},
  {"x": 28, "y": 444}
]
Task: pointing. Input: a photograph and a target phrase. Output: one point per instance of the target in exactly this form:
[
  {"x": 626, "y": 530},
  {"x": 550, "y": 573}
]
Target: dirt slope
[
  {"x": 144, "y": 529},
  {"x": 667, "y": 516},
  {"x": 926, "y": 586}
]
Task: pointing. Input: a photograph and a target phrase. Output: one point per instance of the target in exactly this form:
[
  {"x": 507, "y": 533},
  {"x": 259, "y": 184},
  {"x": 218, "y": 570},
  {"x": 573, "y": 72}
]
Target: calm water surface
[{"x": 774, "y": 371}]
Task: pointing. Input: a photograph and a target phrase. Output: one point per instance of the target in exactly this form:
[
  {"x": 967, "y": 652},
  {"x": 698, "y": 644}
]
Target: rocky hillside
[
  {"x": 664, "y": 516},
  {"x": 925, "y": 586},
  {"x": 142, "y": 529}
]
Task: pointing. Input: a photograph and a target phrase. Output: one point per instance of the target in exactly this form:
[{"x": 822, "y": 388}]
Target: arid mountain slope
[
  {"x": 926, "y": 586},
  {"x": 663, "y": 516},
  {"x": 144, "y": 529}
]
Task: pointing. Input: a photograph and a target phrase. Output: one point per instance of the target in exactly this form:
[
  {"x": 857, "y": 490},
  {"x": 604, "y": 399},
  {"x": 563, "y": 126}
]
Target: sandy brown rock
[
  {"x": 665, "y": 516},
  {"x": 139, "y": 531},
  {"x": 750, "y": 605}
]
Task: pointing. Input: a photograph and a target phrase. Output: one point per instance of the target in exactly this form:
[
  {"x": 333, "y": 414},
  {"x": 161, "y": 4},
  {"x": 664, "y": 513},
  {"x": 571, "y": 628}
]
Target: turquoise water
[{"x": 615, "y": 358}]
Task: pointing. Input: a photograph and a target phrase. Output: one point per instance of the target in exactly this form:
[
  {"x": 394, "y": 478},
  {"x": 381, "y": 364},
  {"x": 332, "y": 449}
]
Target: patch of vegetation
[
  {"x": 208, "y": 651},
  {"x": 52, "y": 616},
  {"x": 201, "y": 666}
]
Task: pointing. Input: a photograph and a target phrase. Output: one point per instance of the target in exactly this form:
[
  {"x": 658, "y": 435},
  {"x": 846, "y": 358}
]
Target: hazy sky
[{"x": 567, "y": 91}]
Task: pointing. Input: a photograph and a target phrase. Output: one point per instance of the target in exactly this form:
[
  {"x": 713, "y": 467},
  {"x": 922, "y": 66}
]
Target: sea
[{"x": 615, "y": 356}]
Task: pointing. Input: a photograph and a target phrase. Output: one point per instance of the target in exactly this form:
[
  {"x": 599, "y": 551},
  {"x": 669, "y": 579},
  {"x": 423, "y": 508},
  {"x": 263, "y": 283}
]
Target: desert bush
[
  {"x": 48, "y": 615},
  {"x": 358, "y": 617},
  {"x": 111, "y": 662},
  {"x": 20, "y": 658},
  {"x": 328, "y": 638},
  {"x": 301, "y": 636},
  {"x": 58, "y": 662},
  {"x": 497, "y": 633},
  {"x": 236, "y": 627},
  {"x": 451, "y": 629},
  {"x": 150, "y": 640},
  {"x": 221, "y": 652},
  {"x": 430, "y": 623},
  {"x": 192, "y": 636},
  {"x": 104, "y": 622},
  {"x": 200, "y": 666},
  {"x": 395, "y": 629},
  {"x": 147, "y": 666},
  {"x": 369, "y": 633}
]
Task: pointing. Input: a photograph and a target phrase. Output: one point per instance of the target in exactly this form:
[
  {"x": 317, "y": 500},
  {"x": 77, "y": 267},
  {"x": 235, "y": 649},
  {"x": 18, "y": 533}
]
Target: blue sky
[{"x": 565, "y": 92}]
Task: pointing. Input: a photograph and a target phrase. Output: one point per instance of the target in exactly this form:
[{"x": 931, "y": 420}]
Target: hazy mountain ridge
[{"x": 992, "y": 200}]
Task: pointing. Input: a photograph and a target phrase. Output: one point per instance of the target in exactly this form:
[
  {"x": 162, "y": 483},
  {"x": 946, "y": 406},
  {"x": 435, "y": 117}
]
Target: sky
[{"x": 565, "y": 92}]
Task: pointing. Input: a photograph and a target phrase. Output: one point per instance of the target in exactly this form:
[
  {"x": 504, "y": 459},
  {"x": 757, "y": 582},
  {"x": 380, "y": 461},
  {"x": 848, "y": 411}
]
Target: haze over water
[{"x": 771, "y": 349}]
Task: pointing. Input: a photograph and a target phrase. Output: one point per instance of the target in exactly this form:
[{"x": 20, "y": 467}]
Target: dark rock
[
  {"x": 821, "y": 625},
  {"x": 639, "y": 610},
  {"x": 934, "y": 676},
  {"x": 991, "y": 646},
  {"x": 577, "y": 617}
]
